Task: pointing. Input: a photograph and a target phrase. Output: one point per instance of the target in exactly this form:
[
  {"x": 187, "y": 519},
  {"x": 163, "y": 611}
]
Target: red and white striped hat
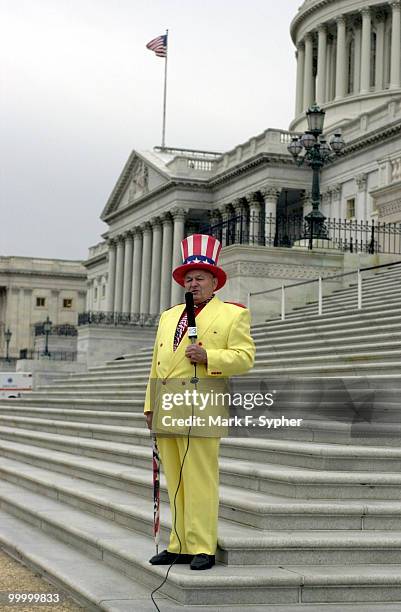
[{"x": 200, "y": 252}]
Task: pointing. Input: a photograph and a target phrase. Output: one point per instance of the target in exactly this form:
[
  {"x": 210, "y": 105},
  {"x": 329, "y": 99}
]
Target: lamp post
[
  {"x": 47, "y": 326},
  {"x": 7, "y": 337},
  {"x": 317, "y": 152}
]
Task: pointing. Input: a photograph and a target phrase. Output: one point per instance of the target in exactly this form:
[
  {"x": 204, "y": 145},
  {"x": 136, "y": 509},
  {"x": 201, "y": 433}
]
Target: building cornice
[
  {"x": 70, "y": 275},
  {"x": 367, "y": 140},
  {"x": 260, "y": 160}
]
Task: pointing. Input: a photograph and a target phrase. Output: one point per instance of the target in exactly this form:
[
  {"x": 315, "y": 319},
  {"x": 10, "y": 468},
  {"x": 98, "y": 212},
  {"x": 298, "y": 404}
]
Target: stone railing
[{"x": 98, "y": 249}]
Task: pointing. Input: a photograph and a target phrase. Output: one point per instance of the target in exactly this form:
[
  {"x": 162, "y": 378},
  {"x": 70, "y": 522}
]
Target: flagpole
[{"x": 165, "y": 96}]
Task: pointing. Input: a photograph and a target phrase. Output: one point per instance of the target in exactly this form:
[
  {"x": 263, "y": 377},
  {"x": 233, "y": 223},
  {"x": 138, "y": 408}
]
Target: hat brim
[{"x": 180, "y": 272}]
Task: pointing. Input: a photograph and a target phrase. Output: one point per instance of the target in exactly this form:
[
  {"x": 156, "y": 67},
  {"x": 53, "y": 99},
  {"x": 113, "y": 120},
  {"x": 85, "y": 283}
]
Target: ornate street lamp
[
  {"x": 7, "y": 337},
  {"x": 317, "y": 152},
  {"x": 47, "y": 326}
]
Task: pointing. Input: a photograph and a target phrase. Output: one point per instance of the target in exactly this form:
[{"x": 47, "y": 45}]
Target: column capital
[
  {"x": 335, "y": 191},
  {"x": 137, "y": 232},
  {"x": 308, "y": 37},
  {"x": 341, "y": 19},
  {"x": 223, "y": 208},
  {"x": 322, "y": 28},
  {"x": 269, "y": 192},
  {"x": 111, "y": 242},
  {"x": 128, "y": 236},
  {"x": 253, "y": 197},
  {"x": 155, "y": 222},
  {"x": 300, "y": 45},
  {"x": 179, "y": 213},
  {"x": 146, "y": 227},
  {"x": 238, "y": 205},
  {"x": 366, "y": 11},
  {"x": 395, "y": 4},
  {"x": 166, "y": 218},
  {"x": 120, "y": 239},
  {"x": 361, "y": 180}
]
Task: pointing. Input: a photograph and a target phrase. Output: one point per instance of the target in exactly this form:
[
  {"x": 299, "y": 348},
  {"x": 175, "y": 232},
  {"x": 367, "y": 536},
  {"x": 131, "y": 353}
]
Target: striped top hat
[{"x": 200, "y": 252}]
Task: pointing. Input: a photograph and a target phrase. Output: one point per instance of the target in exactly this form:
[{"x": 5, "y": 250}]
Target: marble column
[
  {"x": 321, "y": 65},
  {"x": 167, "y": 248},
  {"x": 254, "y": 219},
  {"x": 127, "y": 286},
  {"x": 328, "y": 69},
  {"x": 299, "y": 98},
  {"x": 357, "y": 57},
  {"x": 118, "y": 300},
  {"x": 179, "y": 215},
  {"x": 365, "y": 49},
  {"x": 154, "y": 307},
  {"x": 146, "y": 270},
  {"x": 111, "y": 277},
  {"x": 224, "y": 210},
  {"x": 89, "y": 295},
  {"x": 241, "y": 233},
  {"x": 341, "y": 63},
  {"x": 379, "y": 72},
  {"x": 270, "y": 195},
  {"x": 308, "y": 75},
  {"x": 136, "y": 272},
  {"x": 361, "y": 203},
  {"x": 395, "y": 68}
]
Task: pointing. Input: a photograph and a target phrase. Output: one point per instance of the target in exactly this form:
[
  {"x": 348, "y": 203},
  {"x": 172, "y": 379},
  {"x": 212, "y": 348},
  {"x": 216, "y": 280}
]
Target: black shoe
[
  {"x": 166, "y": 558},
  {"x": 202, "y": 562}
]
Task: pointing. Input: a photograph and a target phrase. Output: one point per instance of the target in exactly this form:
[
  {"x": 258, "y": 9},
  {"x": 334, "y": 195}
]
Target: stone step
[
  {"x": 95, "y": 585},
  {"x": 370, "y": 342},
  {"x": 126, "y": 405},
  {"x": 238, "y": 544},
  {"x": 253, "y": 508},
  {"x": 333, "y": 339},
  {"x": 375, "y": 312},
  {"x": 277, "y": 479},
  {"x": 128, "y": 551},
  {"x": 334, "y": 304},
  {"x": 353, "y": 322},
  {"x": 359, "y": 367},
  {"x": 289, "y": 453}
]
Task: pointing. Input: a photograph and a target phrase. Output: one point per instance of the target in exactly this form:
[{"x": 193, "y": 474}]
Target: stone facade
[
  {"x": 348, "y": 63},
  {"x": 32, "y": 289}
]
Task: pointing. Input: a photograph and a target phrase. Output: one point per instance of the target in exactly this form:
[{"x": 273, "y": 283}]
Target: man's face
[{"x": 201, "y": 284}]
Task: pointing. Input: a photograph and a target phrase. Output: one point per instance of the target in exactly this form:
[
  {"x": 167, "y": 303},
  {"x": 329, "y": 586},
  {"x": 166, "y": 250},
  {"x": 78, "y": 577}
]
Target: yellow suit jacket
[{"x": 223, "y": 331}]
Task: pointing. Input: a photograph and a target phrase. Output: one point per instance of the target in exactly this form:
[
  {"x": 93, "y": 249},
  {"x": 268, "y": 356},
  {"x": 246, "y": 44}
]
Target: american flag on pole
[{"x": 158, "y": 45}]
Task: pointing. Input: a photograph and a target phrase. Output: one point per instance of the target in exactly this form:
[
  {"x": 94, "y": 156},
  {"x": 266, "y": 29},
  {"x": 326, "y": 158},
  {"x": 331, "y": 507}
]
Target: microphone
[{"x": 192, "y": 330}]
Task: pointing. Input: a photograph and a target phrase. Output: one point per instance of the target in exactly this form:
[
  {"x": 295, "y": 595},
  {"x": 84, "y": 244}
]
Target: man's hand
[
  {"x": 149, "y": 417},
  {"x": 196, "y": 354}
]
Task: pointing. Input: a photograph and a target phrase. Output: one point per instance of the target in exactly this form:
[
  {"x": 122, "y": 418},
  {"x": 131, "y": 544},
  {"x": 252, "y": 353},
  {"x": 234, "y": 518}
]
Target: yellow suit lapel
[{"x": 203, "y": 321}]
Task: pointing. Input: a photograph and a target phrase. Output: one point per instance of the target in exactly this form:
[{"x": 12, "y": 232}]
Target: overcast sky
[{"x": 80, "y": 91}]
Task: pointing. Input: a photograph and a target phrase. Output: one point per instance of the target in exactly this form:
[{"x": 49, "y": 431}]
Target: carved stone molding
[
  {"x": 179, "y": 213},
  {"x": 335, "y": 191},
  {"x": 390, "y": 208},
  {"x": 271, "y": 270},
  {"x": 270, "y": 192},
  {"x": 139, "y": 180},
  {"x": 361, "y": 180}
]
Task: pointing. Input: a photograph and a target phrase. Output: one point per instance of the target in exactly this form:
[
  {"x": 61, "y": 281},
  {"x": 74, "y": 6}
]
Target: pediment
[{"x": 138, "y": 178}]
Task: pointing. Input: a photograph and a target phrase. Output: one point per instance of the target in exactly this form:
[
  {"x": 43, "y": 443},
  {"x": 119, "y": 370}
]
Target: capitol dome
[{"x": 348, "y": 57}]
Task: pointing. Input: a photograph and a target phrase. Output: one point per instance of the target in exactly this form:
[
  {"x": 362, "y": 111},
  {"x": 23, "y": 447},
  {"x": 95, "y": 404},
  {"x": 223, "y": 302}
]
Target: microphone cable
[{"x": 192, "y": 334}]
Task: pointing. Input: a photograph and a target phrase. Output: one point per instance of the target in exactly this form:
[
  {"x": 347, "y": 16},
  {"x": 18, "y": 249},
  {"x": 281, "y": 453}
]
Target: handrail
[{"x": 320, "y": 280}]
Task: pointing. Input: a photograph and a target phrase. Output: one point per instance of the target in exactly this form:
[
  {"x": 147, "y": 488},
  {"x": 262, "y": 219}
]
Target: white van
[{"x": 13, "y": 384}]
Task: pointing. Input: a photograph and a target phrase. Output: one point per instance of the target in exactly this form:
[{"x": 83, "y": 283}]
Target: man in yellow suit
[{"x": 224, "y": 348}]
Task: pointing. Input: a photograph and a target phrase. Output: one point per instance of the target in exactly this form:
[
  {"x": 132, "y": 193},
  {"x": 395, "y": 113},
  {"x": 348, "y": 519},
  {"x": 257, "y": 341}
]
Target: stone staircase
[{"x": 310, "y": 517}]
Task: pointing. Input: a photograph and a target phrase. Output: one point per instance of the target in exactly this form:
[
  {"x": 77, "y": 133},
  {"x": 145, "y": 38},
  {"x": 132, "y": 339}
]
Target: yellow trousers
[{"x": 197, "y": 501}]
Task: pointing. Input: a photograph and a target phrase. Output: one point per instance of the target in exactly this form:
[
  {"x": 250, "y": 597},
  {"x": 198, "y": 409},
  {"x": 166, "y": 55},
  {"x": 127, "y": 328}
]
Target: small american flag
[{"x": 158, "y": 45}]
